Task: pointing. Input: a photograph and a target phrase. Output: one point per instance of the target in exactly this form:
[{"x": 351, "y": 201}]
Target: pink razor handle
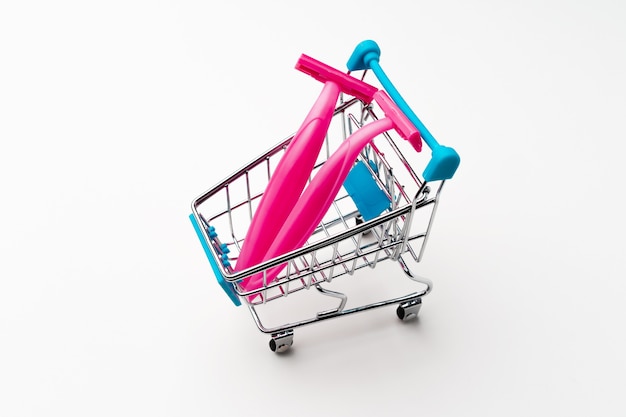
[
  {"x": 319, "y": 195},
  {"x": 295, "y": 166}
]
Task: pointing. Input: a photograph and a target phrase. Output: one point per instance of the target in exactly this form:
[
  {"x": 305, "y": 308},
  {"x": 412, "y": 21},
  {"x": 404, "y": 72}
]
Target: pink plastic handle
[
  {"x": 289, "y": 178},
  {"x": 319, "y": 195},
  {"x": 295, "y": 166}
]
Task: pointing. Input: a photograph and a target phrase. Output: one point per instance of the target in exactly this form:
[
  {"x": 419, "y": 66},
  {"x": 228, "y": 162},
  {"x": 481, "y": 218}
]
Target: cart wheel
[
  {"x": 409, "y": 310},
  {"x": 281, "y": 342}
]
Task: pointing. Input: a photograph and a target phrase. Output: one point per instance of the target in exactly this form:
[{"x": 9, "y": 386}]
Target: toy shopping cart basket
[{"x": 383, "y": 212}]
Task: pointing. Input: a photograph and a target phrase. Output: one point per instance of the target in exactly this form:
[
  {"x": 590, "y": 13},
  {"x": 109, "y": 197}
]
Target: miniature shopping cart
[{"x": 384, "y": 211}]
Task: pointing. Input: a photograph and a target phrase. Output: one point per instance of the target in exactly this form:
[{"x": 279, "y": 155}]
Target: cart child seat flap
[{"x": 369, "y": 199}]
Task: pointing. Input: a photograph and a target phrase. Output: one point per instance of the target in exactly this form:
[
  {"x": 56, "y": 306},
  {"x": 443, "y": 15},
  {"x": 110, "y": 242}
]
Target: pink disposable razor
[
  {"x": 295, "y": 166},
  {"x": 319, "y": 195}
]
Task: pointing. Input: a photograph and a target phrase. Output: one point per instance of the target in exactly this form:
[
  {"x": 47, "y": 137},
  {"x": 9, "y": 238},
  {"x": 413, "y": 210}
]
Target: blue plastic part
[
  {"x": 444, "y": 160},
  {"x": 363, "y": 53},
  {"x": 442, "y": 165},
  {"x": 226, "y": 286},
  {"x": 365, "y": 192}
]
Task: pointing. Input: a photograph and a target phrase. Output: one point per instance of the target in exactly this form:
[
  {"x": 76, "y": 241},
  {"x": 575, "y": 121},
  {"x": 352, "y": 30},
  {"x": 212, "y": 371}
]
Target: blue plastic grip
[
  {"x": 226, "y": 286},
  {"x": 444, "y": 160}
]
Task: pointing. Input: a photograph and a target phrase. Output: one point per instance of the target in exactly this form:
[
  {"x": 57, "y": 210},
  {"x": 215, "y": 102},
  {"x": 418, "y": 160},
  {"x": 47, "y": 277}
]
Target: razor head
[
  {"x": 346, "y": 83},
  {"x": 401, "y": 123}
]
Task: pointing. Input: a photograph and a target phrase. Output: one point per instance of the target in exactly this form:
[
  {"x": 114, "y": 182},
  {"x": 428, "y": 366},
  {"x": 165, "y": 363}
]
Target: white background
[{"x": 115, "y": 115}]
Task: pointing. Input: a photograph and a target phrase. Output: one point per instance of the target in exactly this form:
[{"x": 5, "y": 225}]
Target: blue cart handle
[{"x": 444, "y": 160}]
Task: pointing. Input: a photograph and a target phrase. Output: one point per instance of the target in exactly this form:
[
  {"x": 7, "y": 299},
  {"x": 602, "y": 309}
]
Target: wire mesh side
[{"x": 230, "y": 205}]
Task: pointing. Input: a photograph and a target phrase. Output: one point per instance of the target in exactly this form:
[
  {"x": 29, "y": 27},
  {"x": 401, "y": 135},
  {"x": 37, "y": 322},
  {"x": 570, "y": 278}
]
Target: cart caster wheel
[
  {"x": 281, "y": 342},
  {"x": 409, "y": 310}
]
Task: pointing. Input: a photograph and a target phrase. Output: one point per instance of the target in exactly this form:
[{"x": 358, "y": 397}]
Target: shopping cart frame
[{"x": 393, "y": 246}]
